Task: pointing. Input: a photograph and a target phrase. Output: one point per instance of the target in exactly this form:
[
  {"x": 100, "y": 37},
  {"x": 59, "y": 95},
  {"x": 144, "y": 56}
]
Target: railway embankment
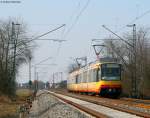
[{"x": 48, "y": 106}]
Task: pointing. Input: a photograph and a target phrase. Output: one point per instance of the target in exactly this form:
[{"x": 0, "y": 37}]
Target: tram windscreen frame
[{"x": 111, "y": 71}]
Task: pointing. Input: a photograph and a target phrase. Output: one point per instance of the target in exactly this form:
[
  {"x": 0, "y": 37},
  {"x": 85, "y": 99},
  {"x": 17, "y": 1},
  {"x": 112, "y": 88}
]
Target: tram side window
[
  {"x": 84, "y": 79},
  {"x": 93, "y": 75},
  {"x": 76, "y": 79},
  {"x": 90, "y": 75},
  {"x": 79, "y": 78},
  {"x": 72, "y": 80},
  {"x": 69, "y": 80},
  {"x": 94, "y": 79},
  {"x": 98, "y": 74}
]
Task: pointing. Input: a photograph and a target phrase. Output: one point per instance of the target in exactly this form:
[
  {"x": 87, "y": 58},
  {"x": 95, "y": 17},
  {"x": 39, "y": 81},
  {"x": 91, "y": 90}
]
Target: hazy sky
[{"x": 84, "y": 18}]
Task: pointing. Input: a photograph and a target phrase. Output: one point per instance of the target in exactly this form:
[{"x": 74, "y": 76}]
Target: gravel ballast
[{"x": 48, "y": 106}]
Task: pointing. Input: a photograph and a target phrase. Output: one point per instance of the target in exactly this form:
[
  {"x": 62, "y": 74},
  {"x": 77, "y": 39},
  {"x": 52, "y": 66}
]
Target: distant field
[{"x": 23, "y": 93}]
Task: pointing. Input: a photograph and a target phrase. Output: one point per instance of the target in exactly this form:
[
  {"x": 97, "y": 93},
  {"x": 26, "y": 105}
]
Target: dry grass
[
  {"x": 22, "y": 94},
  {"x": 8, "y": 108}
]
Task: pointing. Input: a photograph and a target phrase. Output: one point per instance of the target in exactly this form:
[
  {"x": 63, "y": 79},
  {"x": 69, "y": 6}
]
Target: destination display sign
[{"x": 111, "y": 65}]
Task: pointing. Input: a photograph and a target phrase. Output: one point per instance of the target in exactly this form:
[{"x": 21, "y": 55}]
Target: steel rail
[{"x": 134, "y": 112}]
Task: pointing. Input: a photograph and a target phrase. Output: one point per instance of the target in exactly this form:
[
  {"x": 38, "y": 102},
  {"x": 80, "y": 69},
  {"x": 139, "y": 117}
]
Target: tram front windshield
[{"x": 110, "y": 72}]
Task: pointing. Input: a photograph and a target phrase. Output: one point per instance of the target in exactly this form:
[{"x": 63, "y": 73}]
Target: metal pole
[
  {"x": 134, "y": 62},
  {"x": 37, "y": 81},
  {"x": 15, "y": 48},
  {"x": 35, "y": 84},
  {"x": 61, "y": 76},
  {"x": 29, "y": 71},
  {"x": 134, "y": 91},
  {"x": 53, "y": 81},
  {"x": 14, "y": 52},
  {"x": 85, "y": 61}
]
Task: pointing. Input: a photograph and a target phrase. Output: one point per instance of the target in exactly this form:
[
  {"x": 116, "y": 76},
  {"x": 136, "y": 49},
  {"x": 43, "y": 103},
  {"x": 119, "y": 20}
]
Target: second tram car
[{"x": 102, "y": 78}]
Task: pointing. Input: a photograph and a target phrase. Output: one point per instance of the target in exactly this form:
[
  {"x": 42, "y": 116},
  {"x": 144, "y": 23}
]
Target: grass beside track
[{"x": 10, "y": 108}]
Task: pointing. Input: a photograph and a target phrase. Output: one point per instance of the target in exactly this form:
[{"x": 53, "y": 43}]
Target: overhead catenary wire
[
  {"x": 49, "y": 32},
  {"x": 32, "y": 39},
  {"x": 77, "y": 8},
  {"x": 139, "y": 17},
  {"x": 72, "y": 25},
  {"x": 64, "y": 34},
  {"x": 68, "y": 31},
  {"x": 117, "y": 35},
  {"x": 54, "y": 40},
  {"x": 77, "y": 18},
  {"x": 73, "y": 14},
  {"x": 43, "y": 60},
  {"x": 135, "y": 19},
  {"x": 57, "y": 51},
  {"x": 48, "y": 39}
]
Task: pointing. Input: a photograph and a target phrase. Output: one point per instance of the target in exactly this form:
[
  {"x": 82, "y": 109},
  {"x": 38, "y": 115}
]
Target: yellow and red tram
[{"x": 103, "y": 78}]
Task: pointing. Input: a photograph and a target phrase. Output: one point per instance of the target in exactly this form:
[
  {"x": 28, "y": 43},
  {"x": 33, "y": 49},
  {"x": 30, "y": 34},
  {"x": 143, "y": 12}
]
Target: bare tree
[
  {"x": 14, "y": 50},
  {"x": 124, "y": 53}
]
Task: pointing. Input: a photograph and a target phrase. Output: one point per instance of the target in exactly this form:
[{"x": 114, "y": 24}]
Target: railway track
[
  {"x": 146, "y": 102},
  {"x": 96, "y": 110},
  {"x": 135, "y": 107}
]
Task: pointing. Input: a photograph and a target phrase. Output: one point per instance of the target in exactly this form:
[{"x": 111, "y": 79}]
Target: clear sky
[{"x": 44, "y": 15}]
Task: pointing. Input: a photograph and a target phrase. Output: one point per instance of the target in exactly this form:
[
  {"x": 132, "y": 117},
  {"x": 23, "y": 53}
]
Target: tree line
[
  {"x": 15, "y": 49},
  {"x": 136, "y": 62}
]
